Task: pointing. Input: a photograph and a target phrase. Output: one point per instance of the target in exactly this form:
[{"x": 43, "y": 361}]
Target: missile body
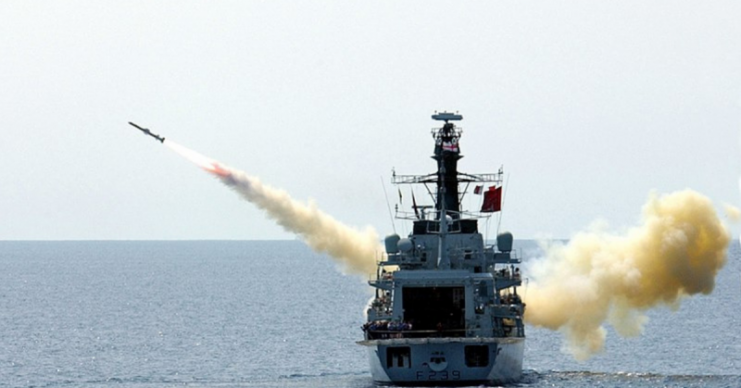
[{"x": 148, "y": 132}]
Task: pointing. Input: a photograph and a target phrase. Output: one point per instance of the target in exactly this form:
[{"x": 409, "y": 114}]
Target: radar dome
[
  {"x": 392, "y": 242},
  {"x": 504, "y": 242},
  {"x": 405, "y": 245}
]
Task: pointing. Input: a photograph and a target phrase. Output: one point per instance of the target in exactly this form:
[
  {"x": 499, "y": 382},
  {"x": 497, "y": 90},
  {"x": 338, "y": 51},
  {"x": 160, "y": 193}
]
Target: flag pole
[{"x": 504, "y": 196}]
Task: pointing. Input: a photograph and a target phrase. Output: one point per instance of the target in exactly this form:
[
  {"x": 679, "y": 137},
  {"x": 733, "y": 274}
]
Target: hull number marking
[{"x": 441, "y": 376}]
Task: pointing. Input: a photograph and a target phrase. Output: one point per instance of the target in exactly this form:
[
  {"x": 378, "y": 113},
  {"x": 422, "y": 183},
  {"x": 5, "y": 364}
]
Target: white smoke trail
[
  {"x": 357, "y": 250},
  {"x": 676, "y": 251}
]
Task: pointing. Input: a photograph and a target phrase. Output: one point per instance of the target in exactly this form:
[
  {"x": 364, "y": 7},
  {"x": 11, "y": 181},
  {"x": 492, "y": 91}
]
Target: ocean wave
[{"x": 535, "y": 379}]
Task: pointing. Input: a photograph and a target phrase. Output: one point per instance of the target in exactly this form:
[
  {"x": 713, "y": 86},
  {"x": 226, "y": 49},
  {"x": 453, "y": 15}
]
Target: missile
[{"x": 148, "y": 132}]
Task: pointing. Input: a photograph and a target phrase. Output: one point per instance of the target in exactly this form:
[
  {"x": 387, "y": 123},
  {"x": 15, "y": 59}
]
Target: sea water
[{"x": 276, "y": 314}]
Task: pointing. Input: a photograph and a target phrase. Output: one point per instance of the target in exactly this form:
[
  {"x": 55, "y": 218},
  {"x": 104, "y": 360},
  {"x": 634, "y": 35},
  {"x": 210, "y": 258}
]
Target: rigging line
[
  {"x": 388, "y": 205},
  {"x": 504, "y": 196},
  {"x": 463, "y": 195},
  {"x": 488, "y": 218}
]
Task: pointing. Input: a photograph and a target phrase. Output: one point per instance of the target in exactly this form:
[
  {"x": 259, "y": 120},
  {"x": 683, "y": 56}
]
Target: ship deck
[{"x": 440, "y": 340}]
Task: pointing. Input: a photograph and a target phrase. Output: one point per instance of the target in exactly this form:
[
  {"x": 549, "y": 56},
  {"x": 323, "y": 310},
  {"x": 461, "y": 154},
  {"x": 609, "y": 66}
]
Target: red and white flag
[{"x": 450, "y": 146}]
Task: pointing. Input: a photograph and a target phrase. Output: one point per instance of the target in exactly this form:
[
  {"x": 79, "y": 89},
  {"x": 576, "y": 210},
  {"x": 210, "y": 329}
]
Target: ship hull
[{"x": 445, "y": 361}]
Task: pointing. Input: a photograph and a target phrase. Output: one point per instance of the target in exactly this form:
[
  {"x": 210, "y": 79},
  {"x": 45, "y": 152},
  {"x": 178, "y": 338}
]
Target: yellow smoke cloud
[
  {"x": 357, "y": 250},
  {"x": 733, "y": 213},
  {"x": 597, "y": 277}
]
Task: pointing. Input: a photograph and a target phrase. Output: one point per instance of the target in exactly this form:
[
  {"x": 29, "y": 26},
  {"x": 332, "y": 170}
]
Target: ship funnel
[
  {"x": 392, "y": 242},
  {"x": 504, "y": 242}
]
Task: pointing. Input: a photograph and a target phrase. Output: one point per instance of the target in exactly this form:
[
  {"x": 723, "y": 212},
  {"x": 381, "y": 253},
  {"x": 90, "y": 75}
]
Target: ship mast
[
  {"x": 443, "y": 259},
  {"x": 447, "y": 153}
]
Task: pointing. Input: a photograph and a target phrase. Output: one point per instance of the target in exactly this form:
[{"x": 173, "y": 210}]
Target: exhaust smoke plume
[
  {"x": 597, "y": 277},
  {"x": 357, "y": 250},
  {"x": 733, "y": 213}
]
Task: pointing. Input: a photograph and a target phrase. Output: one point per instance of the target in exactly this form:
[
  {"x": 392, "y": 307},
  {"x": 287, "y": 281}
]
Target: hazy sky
[{"x": 588, "y": 105}]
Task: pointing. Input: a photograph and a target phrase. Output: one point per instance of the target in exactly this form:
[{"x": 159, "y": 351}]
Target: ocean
[{"x": 275, "y": 314}]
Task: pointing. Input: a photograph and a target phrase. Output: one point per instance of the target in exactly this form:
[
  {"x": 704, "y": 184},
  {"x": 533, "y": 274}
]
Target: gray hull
[{"x": 446, "y": 361}]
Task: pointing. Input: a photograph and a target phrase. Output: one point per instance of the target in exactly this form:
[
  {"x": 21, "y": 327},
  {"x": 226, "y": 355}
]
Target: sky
[{"x": 589, "y": 106}]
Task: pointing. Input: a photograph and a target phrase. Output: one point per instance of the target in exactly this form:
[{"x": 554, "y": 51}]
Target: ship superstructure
[{"x": 446, "y": 309}]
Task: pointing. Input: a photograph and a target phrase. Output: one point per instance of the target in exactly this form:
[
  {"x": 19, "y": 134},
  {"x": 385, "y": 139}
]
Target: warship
[{"x": 446, "y": 309}]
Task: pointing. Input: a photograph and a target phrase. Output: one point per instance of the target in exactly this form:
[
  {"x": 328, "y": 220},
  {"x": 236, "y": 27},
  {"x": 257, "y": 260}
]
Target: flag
[
  {"x": 450, "y": 146},
  {"x": 478, "y": 189},
  {"x": 492, "y": 200}
]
